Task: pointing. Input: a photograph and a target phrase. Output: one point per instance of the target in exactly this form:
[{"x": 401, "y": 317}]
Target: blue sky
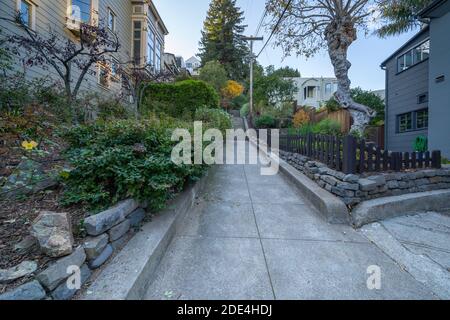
[{"x": 184, "y": 19}]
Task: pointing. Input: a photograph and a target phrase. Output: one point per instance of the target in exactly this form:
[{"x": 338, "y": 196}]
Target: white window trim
[
  {"x": 100, "y": 66},
  {"x": 74, "y": 23},
  {"x": 111, "y": 12},
  {"x": 33, "y": 11}
]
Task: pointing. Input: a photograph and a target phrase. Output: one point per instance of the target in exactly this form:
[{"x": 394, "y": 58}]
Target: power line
[
  {"x": 261, "y": 21},
  {"x": 276, "y": 27}
]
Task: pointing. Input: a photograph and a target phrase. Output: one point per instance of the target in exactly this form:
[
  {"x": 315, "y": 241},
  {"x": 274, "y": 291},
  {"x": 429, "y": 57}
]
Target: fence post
[
  {"x": 436, "y": 160},
  {"x": 309, "y": 145},
  {"x": 349, "y": 155}
]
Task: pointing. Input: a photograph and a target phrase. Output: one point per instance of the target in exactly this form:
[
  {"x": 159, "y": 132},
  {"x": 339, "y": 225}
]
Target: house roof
[
  {"x": 436, "y": 9},
  {"x": 407, "y": 44},
  {"x": 158, "y": 17}
]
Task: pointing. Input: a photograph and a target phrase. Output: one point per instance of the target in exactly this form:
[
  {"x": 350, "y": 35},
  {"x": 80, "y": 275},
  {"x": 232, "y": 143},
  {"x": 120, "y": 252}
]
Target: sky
[{"x": 184, "y": 19}]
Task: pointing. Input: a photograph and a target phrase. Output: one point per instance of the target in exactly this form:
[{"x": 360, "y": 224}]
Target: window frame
[
  {"x": 151, "y": 47},
  {"x": 416, "y": 118},
  {"x": 112, "y": 14},
  {"x": 414, "y": 121},
  {"x": 412, "y": 53},
  {"x": 104, "y": 67},
  {"x": 31, "y": 12},
  {"x": 158, "y": 56},
  {"x": 91, "y": 8},
  {"x": 137, "y": 56}
]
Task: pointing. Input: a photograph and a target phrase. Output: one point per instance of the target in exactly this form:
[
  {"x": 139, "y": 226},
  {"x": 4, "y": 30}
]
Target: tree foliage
[
  {"x": 222, "y": 38},
  {"x": 95, "y": 45},
  {"x": 215, "y": 74},
  {"x": 270, "y": 87},
  {"x": 309, "y": 26},
  {"x": 232, "y": 90},
  {"x": 399, "y": 16}
]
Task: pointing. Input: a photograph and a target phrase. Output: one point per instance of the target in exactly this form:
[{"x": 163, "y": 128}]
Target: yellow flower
[{"x": 29, "y": 145}]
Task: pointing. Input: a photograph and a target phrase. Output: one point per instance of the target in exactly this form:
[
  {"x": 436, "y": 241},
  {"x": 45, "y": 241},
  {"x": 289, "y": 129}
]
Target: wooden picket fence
[{"x": 350, "y": 155}]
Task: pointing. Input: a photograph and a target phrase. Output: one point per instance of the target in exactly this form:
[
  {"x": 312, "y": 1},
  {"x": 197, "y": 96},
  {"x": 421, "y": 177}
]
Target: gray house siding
[
  {"x": 403, "y": 89},
  {"x": 439, "y": 122},
  {"x": 51, "y": 15}
]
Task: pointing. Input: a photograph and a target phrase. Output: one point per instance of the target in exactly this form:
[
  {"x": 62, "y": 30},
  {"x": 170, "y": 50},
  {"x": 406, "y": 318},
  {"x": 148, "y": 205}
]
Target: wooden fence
[{"x": 350, "y": 155}]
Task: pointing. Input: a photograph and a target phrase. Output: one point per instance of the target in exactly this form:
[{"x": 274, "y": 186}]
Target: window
[
  {"x": 111, "y": 20},
  {"x": 421, "y": 119},
  {"x": 103, "y": 75},
  {"x": 422, "y": 98},
  {"x": 416, "y": 120},
  {"x": 137, "y": 26},
  {"x": 114, "y": 70},
  {"x": 158, "y": 56},
  {"x": 309, "y": 92},
  {"x": 151, "y": 48},
  {"x": 81, "y": 10},
  {"x": 330, "y": 88},
  {"x": 404, "y": 122},
  {"x": 413, "y": 56},
  {"x": 25, "y": 10}
]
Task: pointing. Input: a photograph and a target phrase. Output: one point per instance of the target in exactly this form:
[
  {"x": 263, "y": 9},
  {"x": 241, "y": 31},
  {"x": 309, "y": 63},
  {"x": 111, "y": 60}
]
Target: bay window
[
  {"x": 158, "y": 57},
  {"x": 151, "y": 48},
  {"x": 137, "y": 33}
]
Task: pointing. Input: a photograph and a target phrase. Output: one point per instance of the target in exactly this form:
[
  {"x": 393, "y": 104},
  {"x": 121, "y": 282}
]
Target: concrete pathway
[
  {"x": 255, "y": 237},
  {"x": 420, "y": 244}
]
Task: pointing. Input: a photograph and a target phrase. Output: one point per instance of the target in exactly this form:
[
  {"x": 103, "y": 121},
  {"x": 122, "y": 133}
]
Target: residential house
[
  {"x": 193, "y": 65},
  {"x": 314, "y": 92},
  {"x": 137, "y": 23},
  {"x": 170, "y": 64},
  {"x": 418, "y": 85}
]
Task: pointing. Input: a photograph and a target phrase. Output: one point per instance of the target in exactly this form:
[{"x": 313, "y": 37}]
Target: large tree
[
  {"x": 311, "y": 25},
  {"x": 399, "y": 16},
  {"x": 222, "y": 38}
]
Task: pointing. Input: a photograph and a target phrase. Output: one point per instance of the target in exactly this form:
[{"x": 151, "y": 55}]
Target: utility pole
[{"x": 252, "y": 60}]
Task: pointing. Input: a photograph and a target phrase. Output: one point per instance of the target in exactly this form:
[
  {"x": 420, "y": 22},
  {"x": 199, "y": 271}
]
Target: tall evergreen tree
[{"x": 222, "y": 38}]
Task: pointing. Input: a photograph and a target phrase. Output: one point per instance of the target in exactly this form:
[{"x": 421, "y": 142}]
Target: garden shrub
[
  {"x": 327, "y": 126},
  {"x": 245, "y": 110},
  {"x": 179, "y": 98},
  {"x": 420, "y": 144},
  {"x": 125, "y": 158},
  {"x": 214, "y": 118},
  {"x": 301, "y": 118},
  {"x": 238, "y": 102},
  {"x": 265, "y": 122}
]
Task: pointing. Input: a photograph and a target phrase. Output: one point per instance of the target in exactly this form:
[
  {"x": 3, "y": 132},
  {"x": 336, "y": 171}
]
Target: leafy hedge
[
  {"x": 265, "y": 122},
  {"x": 179, "y": 99},
  {"x": 214, "y": 118},
  {"x": 125, "y": 158}
]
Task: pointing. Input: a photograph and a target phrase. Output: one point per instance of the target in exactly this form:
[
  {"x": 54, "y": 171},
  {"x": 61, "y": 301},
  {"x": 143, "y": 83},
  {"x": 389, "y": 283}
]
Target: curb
[
  {"x": 127, "y": 276},
  {"x": 406, "y": 204}
]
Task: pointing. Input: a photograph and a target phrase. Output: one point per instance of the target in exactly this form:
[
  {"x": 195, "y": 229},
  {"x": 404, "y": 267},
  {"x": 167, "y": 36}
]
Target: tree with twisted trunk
[{"x": 307, "y": 26}]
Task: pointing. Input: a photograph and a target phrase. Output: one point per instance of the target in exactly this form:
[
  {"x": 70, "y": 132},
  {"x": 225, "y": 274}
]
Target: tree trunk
[{"x": 340, "y": 35}]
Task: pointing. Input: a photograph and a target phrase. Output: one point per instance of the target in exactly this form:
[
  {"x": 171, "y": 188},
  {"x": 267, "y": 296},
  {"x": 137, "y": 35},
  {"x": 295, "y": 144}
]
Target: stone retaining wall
[
  {"x": 108, "y": 231},
  {"x": 356, "y": 188}
]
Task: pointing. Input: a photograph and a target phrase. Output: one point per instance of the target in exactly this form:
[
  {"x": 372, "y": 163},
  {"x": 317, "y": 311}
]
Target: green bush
[
  {"x": 332, "y": 105},
  {"x": 112, "y": 109},
  {"x": 245, "y": 110},
  {"x": 238, "y": 102},
  {"x": 214, "y": 118},
  {"x": 327, "y": 126},
  {"x": 420, "y": 144},
  {"x": 125, "y": 158},
  {"x": 179, "y": 99},
  {"x": 265, "y": 122}
]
